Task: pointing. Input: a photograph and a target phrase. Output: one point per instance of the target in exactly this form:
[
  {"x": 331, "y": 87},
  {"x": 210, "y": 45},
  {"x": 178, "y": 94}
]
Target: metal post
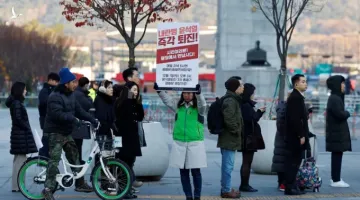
[{"x": 353, "y": 134}]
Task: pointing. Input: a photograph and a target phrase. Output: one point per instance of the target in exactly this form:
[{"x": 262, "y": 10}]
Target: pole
[{"x": 353, "y": 134}]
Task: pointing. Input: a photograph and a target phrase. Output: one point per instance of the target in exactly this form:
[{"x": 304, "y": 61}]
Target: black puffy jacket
[
  {"x": 337, "y": 129},
  {"x": 280, "y": 151},
  {"x": 21, "y": 139},
  {"x": 62, "y": 111}
]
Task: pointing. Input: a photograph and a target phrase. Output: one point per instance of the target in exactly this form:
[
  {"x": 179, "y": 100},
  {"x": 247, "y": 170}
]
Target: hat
[
  {"x": 66, "y": 76},
  {"x": 232, "y": 84}
]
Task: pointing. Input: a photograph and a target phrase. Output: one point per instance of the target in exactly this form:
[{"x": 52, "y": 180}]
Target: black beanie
[{"x": 232, "y": 84}]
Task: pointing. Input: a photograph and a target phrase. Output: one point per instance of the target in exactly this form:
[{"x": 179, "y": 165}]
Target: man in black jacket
[
  {"x": 296, "y": 132},
  {"x": 52, "y": 82},
  {"x": 62, "y": 116}
]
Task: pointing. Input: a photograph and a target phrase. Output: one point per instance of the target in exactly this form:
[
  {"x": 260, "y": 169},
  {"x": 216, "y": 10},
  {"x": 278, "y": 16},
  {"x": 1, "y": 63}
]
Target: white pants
[{"x": 18, "y": 161}]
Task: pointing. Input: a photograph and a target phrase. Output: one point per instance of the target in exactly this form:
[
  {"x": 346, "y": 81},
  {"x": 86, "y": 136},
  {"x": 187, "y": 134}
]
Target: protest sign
[{"x": 177, "y": 56}]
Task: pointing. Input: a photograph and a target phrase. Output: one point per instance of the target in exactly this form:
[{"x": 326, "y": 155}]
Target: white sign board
[{"x": 177, "y": 56}]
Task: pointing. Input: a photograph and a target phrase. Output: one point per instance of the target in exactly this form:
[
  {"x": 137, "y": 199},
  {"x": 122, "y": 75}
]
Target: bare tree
[{"x": 284, "y": 15}]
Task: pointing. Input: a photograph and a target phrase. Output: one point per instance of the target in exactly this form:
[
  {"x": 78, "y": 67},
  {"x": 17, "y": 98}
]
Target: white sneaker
[{"x": 340, "y": 184}]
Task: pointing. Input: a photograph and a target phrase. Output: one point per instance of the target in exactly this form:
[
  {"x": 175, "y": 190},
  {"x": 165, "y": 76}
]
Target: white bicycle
[{"x": 111, "y": 178}]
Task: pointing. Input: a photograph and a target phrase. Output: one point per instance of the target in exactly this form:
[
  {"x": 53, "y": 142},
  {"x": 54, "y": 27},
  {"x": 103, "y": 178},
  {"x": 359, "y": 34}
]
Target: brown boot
[
  {"x": 82, "y": 186},
  {"x": 231, "y": 195}
]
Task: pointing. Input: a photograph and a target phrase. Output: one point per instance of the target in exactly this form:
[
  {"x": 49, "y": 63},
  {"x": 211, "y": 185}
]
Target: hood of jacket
[
  {"x": 9, "y": 101},
  {"x": 334, "y": 84},
  {"x": 249, "y": 90}
]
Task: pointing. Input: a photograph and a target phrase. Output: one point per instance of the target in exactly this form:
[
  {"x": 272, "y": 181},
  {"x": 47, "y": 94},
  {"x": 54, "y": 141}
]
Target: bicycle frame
[{"x": 95, "y": 150}]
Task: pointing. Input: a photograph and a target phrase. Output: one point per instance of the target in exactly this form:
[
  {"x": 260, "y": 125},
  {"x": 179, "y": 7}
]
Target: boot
[
  {"x": 48, "y": 195},
  {"x": 82, "y": 186}
]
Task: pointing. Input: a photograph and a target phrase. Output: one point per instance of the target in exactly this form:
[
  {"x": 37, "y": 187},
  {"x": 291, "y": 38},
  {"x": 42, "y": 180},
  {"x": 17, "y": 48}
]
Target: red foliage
[{"x": 85, "y": 11}]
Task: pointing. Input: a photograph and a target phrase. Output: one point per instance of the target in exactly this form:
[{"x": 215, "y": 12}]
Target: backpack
[{"x": 215, "y": 118}]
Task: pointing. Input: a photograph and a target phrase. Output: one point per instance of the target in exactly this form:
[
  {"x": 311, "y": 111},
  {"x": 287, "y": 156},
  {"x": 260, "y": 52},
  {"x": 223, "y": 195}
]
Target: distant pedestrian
[
  {"x": 94, "y": 86},
  {"x": 188, "y": 151},
  {"x": 297, "y": 132},
  {"x": 252, "y": 137},
  {"x": 21, "y": 140},
  {"x": 338, "y": 138},
  {"x": 229, "y": 140},
  {"x": 48, "y": 87}
]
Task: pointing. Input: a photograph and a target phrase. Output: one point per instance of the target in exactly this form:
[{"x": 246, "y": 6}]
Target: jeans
[
  {"x": 186, "y": 184},
  {"x": 227, "y": 166},
  {"x": 336, "y": 161}
]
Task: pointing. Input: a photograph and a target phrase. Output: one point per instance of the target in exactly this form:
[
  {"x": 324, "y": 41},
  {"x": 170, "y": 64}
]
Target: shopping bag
[{"x": 37, "y": 139}]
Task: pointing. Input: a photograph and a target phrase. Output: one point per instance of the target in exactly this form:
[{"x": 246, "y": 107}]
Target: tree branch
[{"x": 143, "y": 34}]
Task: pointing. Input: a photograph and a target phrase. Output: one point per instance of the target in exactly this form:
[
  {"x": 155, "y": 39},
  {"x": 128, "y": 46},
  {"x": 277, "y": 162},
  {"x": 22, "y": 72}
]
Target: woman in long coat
[
  {"x": 188, "y": 150},
  {"x": 252, "y": 137},
  {"x": 129, "y": 111},
  {"x": 21, "y": 140}
]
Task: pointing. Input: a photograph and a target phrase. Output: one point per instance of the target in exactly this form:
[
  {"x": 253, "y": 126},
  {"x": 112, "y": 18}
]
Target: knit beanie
[
  {"x": 66, "y": 76},
  {"x": 232, "y": 84}
]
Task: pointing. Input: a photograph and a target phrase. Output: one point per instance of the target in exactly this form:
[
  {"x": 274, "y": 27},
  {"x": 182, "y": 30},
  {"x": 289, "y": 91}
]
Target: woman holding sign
[{"x": 188, "y": 149}]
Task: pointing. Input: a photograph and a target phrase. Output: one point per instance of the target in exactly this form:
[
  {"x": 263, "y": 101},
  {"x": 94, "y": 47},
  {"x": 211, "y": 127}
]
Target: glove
[
  {"x": 95, "y": 123},
  {"x": 198, "y": 89},
  {"x": 156, "y": 87},
  {"x": 77, "y": 123}
]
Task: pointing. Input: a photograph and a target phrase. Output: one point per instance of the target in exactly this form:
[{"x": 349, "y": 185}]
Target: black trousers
[
  {"x": 292, "y": 164},
  {"x": 336, "y": 161},
  {"x": 129, "y": 160},
  {"x": 79, "y": 143},
  {"x": 281, "y": 178}
]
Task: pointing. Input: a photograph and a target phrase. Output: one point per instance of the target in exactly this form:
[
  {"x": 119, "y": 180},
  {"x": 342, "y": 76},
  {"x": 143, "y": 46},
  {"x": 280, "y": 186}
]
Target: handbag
[{"x": 255, "y": 140}]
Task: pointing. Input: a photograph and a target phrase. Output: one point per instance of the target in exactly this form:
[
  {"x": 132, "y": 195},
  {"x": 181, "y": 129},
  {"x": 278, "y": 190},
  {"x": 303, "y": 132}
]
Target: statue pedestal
[{"x": 154, "y": 162}]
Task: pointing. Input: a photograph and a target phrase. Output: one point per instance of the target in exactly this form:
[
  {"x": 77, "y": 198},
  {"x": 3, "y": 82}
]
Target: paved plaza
[{"x": 170, "y": 186}]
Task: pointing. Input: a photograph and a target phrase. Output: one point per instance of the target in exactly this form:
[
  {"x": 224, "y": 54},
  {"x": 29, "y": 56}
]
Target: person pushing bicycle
[{"x": 63, "y": 114}]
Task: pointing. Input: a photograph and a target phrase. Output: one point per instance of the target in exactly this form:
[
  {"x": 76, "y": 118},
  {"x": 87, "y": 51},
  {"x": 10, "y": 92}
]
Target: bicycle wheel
[
  {"x": 36, "y": 177},
  {"x": 104, "y": 187}
]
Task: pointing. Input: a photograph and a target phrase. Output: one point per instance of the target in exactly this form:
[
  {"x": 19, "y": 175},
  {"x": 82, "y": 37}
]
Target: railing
[{"x": 156, "y": 111}]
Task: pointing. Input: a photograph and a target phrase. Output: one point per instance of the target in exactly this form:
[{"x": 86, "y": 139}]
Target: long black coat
[
  {"x": 21, "y": 139},
  {"x": 337, "y": 129},
  {"x": 252, "y": 138},
  {"x": 296, "y": 122},
  {"x": 280, "y": 151},
  {"x": 127, "y": 118},
  {"x": 104, "y": 112}
]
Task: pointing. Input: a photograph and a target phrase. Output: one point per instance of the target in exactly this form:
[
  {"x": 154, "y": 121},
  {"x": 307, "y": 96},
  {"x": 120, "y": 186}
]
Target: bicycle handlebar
[{"x": 89, "y": 123}]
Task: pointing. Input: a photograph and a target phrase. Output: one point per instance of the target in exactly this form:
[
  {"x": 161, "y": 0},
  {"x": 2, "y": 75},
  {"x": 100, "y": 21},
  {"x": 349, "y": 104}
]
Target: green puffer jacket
[
  {"x": 230, "y": 138},
  {"x": 189, "y": 121}
]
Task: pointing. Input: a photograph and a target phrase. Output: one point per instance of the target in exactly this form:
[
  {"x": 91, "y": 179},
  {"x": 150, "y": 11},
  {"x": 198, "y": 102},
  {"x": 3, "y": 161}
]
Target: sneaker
[
  {"x": 137, "y": 184},
  {"x": 48, "y": 195},
  {"x": 340, "y": 184},
  {"x": 134, "y": 190},
  {"x": 231, "y": 195},
  {"x": 84, "y": 187},
  {"x": 282, "y": 187}
]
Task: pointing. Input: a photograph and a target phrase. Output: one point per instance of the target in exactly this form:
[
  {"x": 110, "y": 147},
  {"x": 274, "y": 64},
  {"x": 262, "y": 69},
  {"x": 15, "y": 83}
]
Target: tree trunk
[
  {"x": 131, "y": 56},
  {"x": 282, "y": 80}
]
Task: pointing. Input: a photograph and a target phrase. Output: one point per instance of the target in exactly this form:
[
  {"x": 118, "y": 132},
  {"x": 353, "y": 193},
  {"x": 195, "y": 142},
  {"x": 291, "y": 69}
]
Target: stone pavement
[{"x": 170, "y": 186}]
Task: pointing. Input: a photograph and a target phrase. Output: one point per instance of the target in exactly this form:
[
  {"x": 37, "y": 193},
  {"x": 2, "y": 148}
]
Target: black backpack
[{"x": 215, "y": 118}]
